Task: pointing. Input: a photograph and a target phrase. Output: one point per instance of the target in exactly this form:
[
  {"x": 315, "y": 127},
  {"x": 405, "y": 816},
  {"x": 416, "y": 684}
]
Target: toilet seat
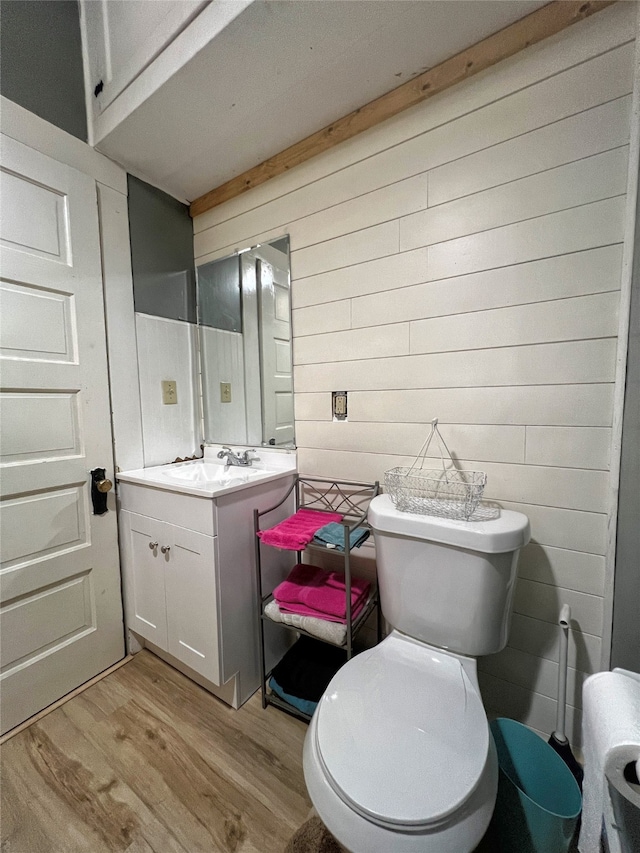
[{"x": 402, "y": 735}]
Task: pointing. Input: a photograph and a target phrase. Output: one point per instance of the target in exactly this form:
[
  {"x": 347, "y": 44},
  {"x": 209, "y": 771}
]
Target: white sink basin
[
  {"x": 210, "y": 478},
  {"x": 208, "y": 474}
]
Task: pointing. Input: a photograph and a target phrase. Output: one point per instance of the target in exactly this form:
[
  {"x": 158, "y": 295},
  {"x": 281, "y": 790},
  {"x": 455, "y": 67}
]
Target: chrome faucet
[{"x": 237, "y": 458}]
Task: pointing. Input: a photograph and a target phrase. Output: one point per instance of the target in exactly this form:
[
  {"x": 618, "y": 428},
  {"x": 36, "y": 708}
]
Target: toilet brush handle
[{"x": 564, "y": 621}]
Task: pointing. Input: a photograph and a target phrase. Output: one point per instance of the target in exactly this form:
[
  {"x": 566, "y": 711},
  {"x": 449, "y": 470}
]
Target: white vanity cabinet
[
  {"x": 174, "y": 600},
  {"x": 189, "y": 575}
]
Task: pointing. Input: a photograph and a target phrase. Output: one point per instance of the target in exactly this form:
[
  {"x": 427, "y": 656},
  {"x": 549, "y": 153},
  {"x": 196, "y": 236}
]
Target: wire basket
[{"x": 446, "y": 492}]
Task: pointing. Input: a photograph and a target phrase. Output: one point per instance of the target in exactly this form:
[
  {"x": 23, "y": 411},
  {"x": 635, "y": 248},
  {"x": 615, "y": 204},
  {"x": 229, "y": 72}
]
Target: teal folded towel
[
  {"x": 332, "y": 535},
  {"x": 304, "y": 705}
]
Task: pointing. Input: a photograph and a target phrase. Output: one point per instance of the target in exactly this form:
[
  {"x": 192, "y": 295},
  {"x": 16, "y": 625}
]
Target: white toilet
[{"x": 398, "y": 757}]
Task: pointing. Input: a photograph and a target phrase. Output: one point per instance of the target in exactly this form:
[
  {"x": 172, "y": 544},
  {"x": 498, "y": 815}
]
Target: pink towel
[
  {"x": 322, "y": 592},
  {"x": 295, "y": 532}
]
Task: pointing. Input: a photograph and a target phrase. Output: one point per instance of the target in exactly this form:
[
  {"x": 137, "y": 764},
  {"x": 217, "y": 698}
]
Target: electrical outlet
[
  {"x": 225, "y": 392},
  {"x": 169, "y": 392},
  {"x": 339, "y": 405}
]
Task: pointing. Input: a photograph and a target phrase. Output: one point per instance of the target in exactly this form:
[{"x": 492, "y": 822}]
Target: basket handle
[{"x": 425, "y": 448}]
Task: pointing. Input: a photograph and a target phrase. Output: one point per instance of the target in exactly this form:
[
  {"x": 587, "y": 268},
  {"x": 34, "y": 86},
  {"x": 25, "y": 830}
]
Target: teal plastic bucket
[{"x": 539, "y": 801}]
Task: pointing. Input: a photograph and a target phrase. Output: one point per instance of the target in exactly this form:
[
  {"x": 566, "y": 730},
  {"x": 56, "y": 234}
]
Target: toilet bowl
[{"x": 398, "y": 757}]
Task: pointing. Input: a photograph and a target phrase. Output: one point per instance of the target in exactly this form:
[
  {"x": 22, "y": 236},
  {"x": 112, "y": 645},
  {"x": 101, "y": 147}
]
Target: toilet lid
[{"x": 402, "y": 734}]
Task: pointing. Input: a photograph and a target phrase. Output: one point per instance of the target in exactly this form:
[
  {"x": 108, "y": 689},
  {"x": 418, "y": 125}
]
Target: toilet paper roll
[
  {"x": 614, "y": 771},
  {"x": 611, "y": 740},
  {"x": 623, "y": 829}
]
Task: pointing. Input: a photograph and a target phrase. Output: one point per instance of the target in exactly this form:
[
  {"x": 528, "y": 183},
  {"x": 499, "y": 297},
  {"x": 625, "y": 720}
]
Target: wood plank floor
[{"x": 145, "y": 761}]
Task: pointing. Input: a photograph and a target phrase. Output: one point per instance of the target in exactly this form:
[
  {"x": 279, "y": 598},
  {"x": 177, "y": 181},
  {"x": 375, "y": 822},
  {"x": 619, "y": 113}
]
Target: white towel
[{"x": 332, "y": 632}]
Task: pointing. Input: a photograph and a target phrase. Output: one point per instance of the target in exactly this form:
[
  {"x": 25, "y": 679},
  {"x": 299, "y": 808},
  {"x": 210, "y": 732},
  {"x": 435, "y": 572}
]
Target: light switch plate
[
  {"x": 225, "y": 392},
  {"x": 169, "y": 392}
]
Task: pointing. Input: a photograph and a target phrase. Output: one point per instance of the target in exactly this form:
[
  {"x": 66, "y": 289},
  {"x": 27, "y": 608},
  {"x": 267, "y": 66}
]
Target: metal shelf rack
[{"x": 351, "y": 500}]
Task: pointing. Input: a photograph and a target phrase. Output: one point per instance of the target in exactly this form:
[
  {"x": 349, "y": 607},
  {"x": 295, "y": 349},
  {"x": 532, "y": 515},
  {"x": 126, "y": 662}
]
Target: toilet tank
[{"x": 446, "y": 582}]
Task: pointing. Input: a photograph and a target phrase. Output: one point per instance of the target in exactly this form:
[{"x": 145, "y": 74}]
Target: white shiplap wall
[{"x": 463, "y": 261}]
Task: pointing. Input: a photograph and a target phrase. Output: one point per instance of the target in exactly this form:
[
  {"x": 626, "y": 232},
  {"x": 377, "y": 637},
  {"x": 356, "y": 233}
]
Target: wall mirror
[{"x": 244, "y": 326}]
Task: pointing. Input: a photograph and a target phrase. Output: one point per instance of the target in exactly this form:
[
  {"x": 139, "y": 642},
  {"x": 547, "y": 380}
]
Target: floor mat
[{"x": 313, "y": 837}]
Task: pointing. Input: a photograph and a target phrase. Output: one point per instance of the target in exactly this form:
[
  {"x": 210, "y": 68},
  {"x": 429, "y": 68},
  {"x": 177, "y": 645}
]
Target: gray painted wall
[
  {"x": 625, "y": 645},
  {"x": 41, "y": 61},
  {"x": 161, "y": 253}
]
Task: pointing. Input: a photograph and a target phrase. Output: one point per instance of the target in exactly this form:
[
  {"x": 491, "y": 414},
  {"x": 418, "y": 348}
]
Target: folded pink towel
[
  {"x": 303, "y": 610},
  {"x": 295, "y": 532},
  {"x": 322, "y": 592}
]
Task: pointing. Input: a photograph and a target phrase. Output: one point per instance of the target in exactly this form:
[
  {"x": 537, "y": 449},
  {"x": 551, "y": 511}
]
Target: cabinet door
[
  {"x": 145, "y": 579},
  {"x": 122, "y": 37},
  {"x": 192, "y": 602}
]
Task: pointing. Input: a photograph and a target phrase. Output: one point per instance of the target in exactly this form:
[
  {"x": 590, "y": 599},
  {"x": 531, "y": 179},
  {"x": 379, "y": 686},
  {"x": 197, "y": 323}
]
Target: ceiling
[{"x": 282, "y": 70}]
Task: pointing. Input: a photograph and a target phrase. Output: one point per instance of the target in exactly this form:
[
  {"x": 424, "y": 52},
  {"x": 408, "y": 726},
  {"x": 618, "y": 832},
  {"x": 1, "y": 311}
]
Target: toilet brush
[{"x": 558, "y": 739}]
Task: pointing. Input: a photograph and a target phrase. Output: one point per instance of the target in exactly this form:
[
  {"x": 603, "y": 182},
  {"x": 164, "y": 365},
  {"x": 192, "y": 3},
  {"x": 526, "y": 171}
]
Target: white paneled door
[
  {"x": 61, "y": 607},
  {"x": 275, "y": 349}
]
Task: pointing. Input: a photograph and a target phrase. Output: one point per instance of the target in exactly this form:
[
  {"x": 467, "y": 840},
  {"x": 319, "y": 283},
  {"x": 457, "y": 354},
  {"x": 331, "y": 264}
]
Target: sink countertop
[{"x": 210, "y": 477}]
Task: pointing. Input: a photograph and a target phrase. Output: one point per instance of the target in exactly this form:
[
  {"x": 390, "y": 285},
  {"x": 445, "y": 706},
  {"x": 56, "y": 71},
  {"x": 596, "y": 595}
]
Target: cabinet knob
[
  {"x": 165, "y": 549},
  {"x": 153, "y": 545}
]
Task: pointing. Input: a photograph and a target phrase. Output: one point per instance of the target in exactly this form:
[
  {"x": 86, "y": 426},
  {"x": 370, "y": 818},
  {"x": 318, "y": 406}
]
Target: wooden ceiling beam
[{"x": 539, "y": 25}]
